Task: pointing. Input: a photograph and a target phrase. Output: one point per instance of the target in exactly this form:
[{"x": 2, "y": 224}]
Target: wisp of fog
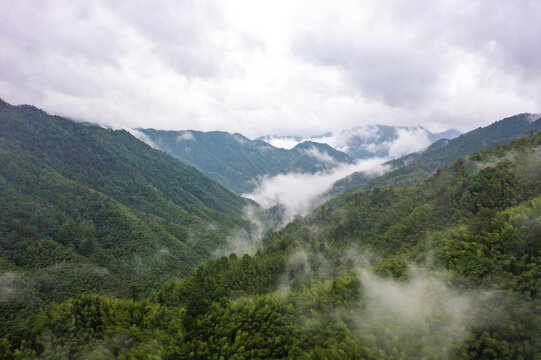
[{"x": 298, "y": 193}]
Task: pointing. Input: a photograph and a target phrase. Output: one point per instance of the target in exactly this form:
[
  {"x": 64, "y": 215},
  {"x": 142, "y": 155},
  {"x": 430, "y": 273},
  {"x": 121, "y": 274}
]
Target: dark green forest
[
  {"x": 86, "y": 209},
  {"x": 448, "y": 267}
]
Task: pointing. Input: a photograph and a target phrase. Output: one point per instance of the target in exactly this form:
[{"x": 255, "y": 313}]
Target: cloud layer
[
  {"x": 364, "y": 142},
  {"x": 298, "y": 193},
  {"x": 273, "y": 67}
]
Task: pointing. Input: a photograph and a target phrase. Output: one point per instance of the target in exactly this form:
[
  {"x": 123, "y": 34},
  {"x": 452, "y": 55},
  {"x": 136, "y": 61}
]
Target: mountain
[
  {"x": 84, "y": 208},
  {"x": 369, "y": 141},
  {"x": 448, "y": 268},
  {"x": 236, "y": 161},
  {"x": 447, "y": 134},
  {"x": 417, "y": 166}
]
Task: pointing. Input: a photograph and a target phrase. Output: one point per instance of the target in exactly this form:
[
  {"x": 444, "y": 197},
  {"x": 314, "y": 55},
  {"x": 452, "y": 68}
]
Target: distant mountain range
[
  {"x": 414, "y": 167},
  {"x": 370, "y": 141},
  {"x": 236, "y": 161}
]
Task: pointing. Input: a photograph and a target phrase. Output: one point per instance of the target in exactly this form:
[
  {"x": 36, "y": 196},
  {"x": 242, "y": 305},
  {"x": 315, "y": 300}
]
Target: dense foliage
[
  {"x": 447, "y": 268},
  {"x": 236, "y": 161},
  {"x": 89, "y": 209}
]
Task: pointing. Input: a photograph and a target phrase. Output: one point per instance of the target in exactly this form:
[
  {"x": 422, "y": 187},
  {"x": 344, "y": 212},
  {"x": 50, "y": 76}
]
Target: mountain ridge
[
  {"x": 84, "y": 208},
  {"x": 236, "y": 161},
  {"x": 446, "y": 268},
  {"x": 416, "y": 166},
  {"x": 365, "y": 141}
]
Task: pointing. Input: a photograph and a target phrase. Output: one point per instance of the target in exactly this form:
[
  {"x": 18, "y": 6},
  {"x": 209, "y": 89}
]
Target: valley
[
  {"x": 234, "y": 180},
  {"x": 112, "y": 249}
]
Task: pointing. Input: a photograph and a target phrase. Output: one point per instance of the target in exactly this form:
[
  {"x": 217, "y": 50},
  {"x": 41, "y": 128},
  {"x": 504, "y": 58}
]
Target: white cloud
[
  {"x": 322, "y": 156},
  {"x": 185, "y": 136},
  {"x": 408, "y": 141},
  {"x": 144, "y": 138},
  {"x": 364, "y": 138},
  {"x": 298, "y": 193},
  {"x": 283, "y": 142}
]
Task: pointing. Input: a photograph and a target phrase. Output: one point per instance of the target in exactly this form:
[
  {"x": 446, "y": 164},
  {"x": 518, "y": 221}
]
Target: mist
[
  {"x": 247, "y": 241},
  {"x": 143, "y": 137},
  {"x": 8, "y": 289},
  {"x": 298, "y": 193},
  {"x": 421, "y": 317},
  {"x": 322, "y": 156},
  {"x": 364, "y": 141},
  {"x": 32, "y": 285}
]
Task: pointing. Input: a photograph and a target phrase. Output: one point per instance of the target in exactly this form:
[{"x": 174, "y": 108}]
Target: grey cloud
[
  {"x": 273, "y": 68},
  {"x": 398, "y": 54},
  {"x": 81, "y": 30},
  {"x": 55, "y": 46},
  {"x": 509, "y": 30},
  {"x": 179, "y": 32},
  {"x": 381, "y": 71}
]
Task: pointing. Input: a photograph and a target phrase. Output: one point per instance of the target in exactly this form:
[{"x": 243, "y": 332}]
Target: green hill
[
  {"x": 415, "y": 167},
  {"x": 236, "y": 161},
  {"x": 447, "y": 268},
  {"x": 89, "y": 209}
]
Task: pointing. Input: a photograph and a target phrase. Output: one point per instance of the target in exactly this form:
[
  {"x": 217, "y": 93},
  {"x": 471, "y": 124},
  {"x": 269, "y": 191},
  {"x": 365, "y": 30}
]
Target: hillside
[
  {"x": 447, "y": 268},
  {"x": 236, "y": 161},
  {"x": 88, "y": 209},
  {"x": 412, "y": 168}
]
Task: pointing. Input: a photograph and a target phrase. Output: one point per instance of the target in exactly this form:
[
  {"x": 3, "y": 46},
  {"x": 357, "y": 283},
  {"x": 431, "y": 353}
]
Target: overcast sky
[{"x": 273, "y": 67}]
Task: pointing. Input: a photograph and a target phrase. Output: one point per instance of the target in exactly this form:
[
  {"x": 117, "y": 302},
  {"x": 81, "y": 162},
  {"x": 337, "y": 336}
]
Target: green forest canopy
[{"x": 449, "y": 267}]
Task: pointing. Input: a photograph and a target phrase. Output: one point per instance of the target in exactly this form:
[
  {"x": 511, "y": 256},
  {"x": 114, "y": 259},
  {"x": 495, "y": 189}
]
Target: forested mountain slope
[
  {"x": 88, "y": 209},
  {"x": 236, "y": 161},
  {"x": 447, "y": 268},
  {"x": 415, "y": 167}
]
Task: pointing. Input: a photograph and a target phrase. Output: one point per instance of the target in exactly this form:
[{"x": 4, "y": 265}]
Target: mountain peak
[
  {"x": 235, "y": 161},
  {"x": 367, "y": 141},
  {"x": 418, "y": 165}
]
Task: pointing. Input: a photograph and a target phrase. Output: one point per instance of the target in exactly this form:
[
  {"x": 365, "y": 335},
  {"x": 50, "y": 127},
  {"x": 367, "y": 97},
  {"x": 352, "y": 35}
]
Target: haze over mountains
[
  {"x": 107, "y": 250},
  {"x": 253, "y": 180},
  {"x": 238, "y": 162},
  {"x": 244, "y": 165},
  {"x": 417, "y": 166},
  {"x": 368, "y": 141},
  {"x": 299, "y": 173}
]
